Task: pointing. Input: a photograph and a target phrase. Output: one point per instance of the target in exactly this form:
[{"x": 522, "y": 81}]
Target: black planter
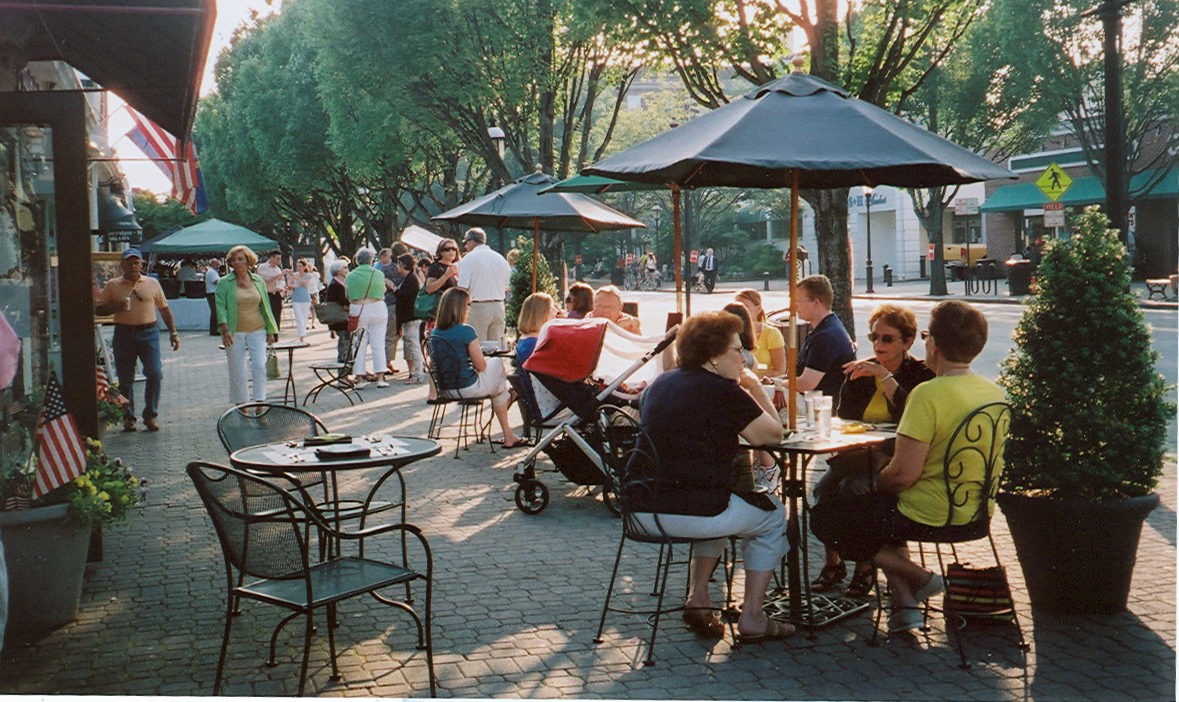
[{"x": 1077, "y": 556}]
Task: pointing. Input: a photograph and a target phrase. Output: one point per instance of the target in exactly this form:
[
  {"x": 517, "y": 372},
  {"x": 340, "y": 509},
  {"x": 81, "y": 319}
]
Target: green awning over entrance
[{"x": 1083, "y": 191}]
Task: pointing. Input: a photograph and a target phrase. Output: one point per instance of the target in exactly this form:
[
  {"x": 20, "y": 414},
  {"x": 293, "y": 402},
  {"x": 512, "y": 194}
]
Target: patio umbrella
[
  {"x": 802, "y": 132},
  {"x": 520, "y": 205}
]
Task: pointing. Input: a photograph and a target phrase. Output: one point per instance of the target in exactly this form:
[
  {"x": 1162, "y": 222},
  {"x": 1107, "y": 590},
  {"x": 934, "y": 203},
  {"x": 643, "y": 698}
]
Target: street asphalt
[{"x": 517, "y": 597}]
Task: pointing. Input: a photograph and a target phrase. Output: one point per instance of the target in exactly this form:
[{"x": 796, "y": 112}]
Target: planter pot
[
  {"x": 1077, "y": 556},
  {"x": 45, "y": 552}
]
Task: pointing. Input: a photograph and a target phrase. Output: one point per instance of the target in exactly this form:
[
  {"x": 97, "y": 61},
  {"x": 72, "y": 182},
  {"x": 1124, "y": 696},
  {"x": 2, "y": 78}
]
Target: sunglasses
[
  {"x": 886, "y": 338},
  {"x": 924, "y": 334},
  {"x": 450, "y": 248}
]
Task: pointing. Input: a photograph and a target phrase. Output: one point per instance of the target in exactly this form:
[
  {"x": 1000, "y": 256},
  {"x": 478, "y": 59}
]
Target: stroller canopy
[{"x": 568, "y": 349}]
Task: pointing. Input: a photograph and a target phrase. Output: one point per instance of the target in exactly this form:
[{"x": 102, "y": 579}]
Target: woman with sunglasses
[
  {"x": 874, "y": 391},
  {"x": 443, "y": 272},
  {"x": 579, "y": 302}
]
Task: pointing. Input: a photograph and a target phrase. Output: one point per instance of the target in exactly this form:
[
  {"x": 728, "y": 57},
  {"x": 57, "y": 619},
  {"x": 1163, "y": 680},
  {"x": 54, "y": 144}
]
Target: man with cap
[
  {"x": 484, "y": 274},
  {"x": 134, "y": 300}
]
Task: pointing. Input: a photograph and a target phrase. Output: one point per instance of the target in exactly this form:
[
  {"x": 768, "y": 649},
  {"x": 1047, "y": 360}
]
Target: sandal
[
  {"x": 829, "y": 577},
  {"x": 705, "y": 623},
  {"x": 775, "y": 631},
  {"x": 862, "y": 582}
]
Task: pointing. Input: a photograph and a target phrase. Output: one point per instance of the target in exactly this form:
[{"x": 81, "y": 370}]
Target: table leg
[{"x": 289, "y": 386}]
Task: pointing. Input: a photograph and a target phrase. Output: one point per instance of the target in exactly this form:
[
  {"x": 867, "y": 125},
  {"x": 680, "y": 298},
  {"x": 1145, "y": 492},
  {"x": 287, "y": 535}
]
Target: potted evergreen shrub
[{"x": 1088, "y": 429}]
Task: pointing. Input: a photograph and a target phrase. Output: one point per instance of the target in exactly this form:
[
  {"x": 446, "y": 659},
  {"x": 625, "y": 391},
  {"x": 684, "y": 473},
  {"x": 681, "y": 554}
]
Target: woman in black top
[
  {"x": 336, "y": 292},
  {"x": 694, "y": 416},
  {"x": 408, "y": 327},
  {"x": 443, "y": 272}
]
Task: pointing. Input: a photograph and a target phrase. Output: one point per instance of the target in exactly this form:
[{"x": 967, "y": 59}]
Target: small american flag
[
  {"x": 62, "y": 456},
  {"x": 104, "y": 382}
]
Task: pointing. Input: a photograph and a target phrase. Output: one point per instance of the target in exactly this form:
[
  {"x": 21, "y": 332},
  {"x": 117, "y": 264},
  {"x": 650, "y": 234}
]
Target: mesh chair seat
[{"x": 269, "y": 534}]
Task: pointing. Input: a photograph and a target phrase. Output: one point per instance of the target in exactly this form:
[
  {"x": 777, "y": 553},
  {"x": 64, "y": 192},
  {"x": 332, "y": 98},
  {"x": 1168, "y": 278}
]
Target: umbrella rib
[{"x": 692, "y": 174}]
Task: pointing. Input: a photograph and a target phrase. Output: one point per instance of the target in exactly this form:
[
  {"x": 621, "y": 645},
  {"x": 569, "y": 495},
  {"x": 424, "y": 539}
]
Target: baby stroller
[{"x": 578, "y": 364}]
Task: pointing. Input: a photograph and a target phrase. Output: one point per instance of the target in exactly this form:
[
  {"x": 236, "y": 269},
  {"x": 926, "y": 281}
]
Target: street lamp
[
  {"x": 658, "y": 213},
  {"x": 498, "y": 138},
  {"x": 868, "y": 262},
  {"x": 769, "y": 216}
]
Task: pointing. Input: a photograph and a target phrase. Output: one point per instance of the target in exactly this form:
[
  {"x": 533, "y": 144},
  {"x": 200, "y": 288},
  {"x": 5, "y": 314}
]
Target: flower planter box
[{"x": 45, "y": 552}]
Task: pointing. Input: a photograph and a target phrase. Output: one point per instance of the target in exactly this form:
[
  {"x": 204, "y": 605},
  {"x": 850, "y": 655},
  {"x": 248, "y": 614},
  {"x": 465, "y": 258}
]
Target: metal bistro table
[
  {"x": 289, "y": 386},
  {"x": 384, "y": 451},
  {"x": 795, "y": 455}
]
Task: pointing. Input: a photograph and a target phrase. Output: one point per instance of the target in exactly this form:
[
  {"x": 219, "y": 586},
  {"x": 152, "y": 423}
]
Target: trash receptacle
[
  {"x": 955, "y": 270},
  {"x": 1019, "y": 276},
  {"x": 617, "y": 277}
]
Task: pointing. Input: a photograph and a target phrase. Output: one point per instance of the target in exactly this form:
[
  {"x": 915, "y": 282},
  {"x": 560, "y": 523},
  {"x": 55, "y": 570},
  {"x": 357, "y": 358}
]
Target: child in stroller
[{"x": 576, "y": 366}]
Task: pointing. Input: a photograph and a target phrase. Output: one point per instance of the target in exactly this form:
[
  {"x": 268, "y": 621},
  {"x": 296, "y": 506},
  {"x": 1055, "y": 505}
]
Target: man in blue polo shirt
[{"x": 828, "y": 347}]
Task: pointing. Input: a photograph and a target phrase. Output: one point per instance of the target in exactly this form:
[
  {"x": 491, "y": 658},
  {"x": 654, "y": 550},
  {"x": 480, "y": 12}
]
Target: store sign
[
  {"x": 966, "y": 206},
  {"x": 630, "y": 259},
  {"x": 1054, "y": 214}
]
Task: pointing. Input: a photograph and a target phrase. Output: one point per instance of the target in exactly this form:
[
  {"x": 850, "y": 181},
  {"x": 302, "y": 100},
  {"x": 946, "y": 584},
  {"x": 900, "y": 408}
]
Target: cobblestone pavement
[{"x": 518, "y": 597}]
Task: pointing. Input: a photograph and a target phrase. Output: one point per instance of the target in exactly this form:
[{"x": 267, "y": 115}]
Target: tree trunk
[{"x": 834, "y": 249}]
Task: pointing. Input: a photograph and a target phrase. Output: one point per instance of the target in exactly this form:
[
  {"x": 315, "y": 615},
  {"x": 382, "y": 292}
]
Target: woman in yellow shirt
[
  {"x": 770, "y": 350},
  {"x": 246, "y": 324}
]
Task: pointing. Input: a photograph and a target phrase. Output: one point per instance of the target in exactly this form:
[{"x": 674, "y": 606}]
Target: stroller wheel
[{"x": 532, "y": 496}]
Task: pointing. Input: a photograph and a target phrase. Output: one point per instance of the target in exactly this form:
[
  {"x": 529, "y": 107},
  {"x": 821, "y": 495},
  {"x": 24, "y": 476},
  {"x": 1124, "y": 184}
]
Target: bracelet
[{"x": 173, "y": 332}]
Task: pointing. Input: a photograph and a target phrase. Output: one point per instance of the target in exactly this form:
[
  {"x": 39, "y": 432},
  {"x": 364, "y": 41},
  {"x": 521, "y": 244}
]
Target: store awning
[
  {"x": 1083, "y": 191},
  {"x": 151, "y": 54}
]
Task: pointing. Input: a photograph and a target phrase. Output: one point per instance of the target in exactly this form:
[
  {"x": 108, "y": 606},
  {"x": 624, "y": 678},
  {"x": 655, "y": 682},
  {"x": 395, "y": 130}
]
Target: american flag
[
  {"x": 187, "y": 184},
  {"x": 61, "y": 454},
  {"x": 104, "y": 382}
]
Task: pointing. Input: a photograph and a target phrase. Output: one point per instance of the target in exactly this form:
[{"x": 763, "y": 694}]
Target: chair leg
[
  {"x": 331, "y": 615},
  {"x": 274, "y": 638},
  {"x": 610, "y": 588},
  {"x": 658, "y": 571},
  {"x": 224, "y": 646},
  {"x": 659, "y": 607},
  {"x": 306, "y": 652}
]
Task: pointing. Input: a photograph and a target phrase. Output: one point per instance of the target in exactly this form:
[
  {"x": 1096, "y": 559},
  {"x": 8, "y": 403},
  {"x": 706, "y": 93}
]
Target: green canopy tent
[{"x": 210, "y": 236}]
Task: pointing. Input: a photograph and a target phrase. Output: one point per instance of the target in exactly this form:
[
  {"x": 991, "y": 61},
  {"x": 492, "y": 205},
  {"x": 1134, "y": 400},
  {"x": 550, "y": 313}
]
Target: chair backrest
[
  {"x": 631, "y": 466},
  {"x": 264, "y": 529},
  {"x": 262, "y": 423},
  {"x": 976, "y": 446},
  {"x": 445, "y": 365},
  {"x": 354, "y": 348}
]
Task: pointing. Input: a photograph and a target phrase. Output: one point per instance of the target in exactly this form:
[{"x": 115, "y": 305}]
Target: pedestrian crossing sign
[{"x": 1053, "y": 182}]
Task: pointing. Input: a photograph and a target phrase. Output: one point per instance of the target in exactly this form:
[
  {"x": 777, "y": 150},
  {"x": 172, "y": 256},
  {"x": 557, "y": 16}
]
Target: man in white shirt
[
  {"x": 486, "y": 276},
  {"x": 212, "y": 276},
  {"x": 272, "y": 273}
]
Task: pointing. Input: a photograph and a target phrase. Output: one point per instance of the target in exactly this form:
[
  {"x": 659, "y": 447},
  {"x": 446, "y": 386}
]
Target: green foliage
[
  {"x": 1090, "y": 411},
  {"x": 760, "y": 258},
  {"x": 157, "y": 214},
  {"x": 521, "y": 285}
]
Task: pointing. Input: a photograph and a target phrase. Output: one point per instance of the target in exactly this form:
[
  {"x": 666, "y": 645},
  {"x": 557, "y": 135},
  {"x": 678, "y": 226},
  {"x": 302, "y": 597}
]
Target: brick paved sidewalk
[{"x": 518, "y": 597}]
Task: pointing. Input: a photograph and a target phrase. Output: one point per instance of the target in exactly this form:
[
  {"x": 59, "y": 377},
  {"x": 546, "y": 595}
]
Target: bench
[{"x": 1157, "y": 286}]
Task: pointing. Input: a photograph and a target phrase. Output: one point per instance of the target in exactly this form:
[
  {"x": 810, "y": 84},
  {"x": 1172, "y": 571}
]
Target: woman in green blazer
[{"x": 246, "y": 324}]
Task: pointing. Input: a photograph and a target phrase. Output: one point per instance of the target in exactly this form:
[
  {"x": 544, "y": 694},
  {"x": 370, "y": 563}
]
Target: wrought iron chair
[
  {"x": 333, "y": 374},
  {"x": 471, "y": 422},
  {"x": 631, "y": 469},
  {"x": 268, "y": 533},
  {"x": 979, "y": 438}
]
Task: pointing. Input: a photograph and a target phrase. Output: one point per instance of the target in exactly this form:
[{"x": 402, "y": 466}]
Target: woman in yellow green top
[
  {"x": 246, "y": 324},
  {"x": 770, "y": 350},
  {"x": 911, "y": 499},
  {"x": 366, "y": 295},
  {"x": 875, "y": 391}
]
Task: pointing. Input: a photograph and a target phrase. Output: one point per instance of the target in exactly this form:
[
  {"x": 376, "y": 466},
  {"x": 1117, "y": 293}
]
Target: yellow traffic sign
[{"x": 1054, "y": 182}]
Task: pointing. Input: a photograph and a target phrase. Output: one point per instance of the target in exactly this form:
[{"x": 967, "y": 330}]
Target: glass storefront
[{"x": 28, "y": 257}]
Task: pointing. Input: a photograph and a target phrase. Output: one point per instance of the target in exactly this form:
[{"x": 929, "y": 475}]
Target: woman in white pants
[
  {"x": 366, "y": 295},
  {"x": 246, "y": 325}
]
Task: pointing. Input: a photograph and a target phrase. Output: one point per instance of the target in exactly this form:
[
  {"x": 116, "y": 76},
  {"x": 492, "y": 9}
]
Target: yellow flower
[{"x": 93, "y": 490}]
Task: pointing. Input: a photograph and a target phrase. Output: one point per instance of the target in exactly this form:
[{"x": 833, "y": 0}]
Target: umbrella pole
[
  {"x": 792, "y": 275},
  {"x": 535, "y": 248},
  {"x": 679, "y": 249}
]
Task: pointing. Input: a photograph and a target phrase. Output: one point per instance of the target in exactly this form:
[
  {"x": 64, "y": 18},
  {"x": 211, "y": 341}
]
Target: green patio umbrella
[{"x": 520, "y": 205}]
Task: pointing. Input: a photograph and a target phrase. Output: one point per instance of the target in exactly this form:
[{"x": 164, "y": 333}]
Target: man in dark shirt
[{"x": 828, "y": 347}]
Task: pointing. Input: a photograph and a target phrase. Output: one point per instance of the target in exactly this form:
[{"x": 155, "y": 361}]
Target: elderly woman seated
[
  {"x": 694, "y": 416},
  {"x": 910, "y": 500}
]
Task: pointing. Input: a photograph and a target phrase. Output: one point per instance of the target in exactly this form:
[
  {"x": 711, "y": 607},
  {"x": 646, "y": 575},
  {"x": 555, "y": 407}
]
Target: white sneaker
[
  {"x": 765, "y": 478},
  {"x": 382, "y": 384}
]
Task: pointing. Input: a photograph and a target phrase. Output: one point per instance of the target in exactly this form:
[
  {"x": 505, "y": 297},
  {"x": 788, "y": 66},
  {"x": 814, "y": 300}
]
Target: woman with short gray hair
[{"x": 366, "y": 293}]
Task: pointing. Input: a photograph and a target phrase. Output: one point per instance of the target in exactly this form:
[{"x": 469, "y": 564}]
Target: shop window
[{"x": 967, "y": 229}]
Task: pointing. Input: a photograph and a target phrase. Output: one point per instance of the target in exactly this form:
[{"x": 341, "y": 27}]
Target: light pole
[
  {"x": 769, "y": 227},
  {"x": 868, "y": 262},
  {"x": 658, "y": 211},
  {"x": 498, "y": 138}
]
